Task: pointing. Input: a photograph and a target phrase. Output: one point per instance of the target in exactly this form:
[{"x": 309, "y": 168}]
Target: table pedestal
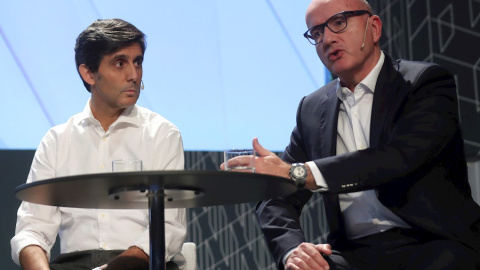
[{"x": 157, "y": 228}]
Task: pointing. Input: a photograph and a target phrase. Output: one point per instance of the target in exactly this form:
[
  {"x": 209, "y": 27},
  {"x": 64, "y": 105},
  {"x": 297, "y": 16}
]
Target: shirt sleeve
[{"x": 37, "y": 224}]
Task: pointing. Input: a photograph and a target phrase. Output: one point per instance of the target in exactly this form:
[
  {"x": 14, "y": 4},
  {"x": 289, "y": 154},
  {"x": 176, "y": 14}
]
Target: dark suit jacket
[{"x": 415, "y": 161}]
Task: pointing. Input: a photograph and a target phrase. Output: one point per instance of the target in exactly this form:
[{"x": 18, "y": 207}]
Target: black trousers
[
  {"x": 89, "y": 259},
  {"x": 402, "y": 249}
]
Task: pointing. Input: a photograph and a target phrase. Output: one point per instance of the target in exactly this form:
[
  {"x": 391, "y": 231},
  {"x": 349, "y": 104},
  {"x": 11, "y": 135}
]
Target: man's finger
[
  {"x": 259, "y": 148},
  {"x": 324, "y": 249}
]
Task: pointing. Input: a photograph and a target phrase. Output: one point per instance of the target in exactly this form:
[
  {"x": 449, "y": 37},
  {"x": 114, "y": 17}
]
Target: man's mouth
[
  {"x": 130, "y": 91},
  {"x": 334, "y": 55}
]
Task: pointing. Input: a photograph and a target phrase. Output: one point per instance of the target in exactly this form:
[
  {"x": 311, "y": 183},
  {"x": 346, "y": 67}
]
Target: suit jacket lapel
[
  {"x": 382, "y": 99},
  {"x": 328, "y": 133},
  {"x": 328, "y": 127}
]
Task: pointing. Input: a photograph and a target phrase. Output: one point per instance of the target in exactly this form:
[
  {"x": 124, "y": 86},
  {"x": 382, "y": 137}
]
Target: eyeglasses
[{"x": 336, "y": 24}]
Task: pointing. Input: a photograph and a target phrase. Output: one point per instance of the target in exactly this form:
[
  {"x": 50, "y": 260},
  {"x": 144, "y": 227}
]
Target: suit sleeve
[{"x": 420, "y": 125}]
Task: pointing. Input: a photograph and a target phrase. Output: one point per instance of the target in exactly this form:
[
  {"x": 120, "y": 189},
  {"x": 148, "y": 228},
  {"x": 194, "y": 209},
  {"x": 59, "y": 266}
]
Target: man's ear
[
  {"x": 86, "y": 74},
  {"x": 376, "y": 28}
]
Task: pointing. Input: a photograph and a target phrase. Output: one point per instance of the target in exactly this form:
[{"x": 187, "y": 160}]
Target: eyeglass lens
[{"x": 336, "y": 24}]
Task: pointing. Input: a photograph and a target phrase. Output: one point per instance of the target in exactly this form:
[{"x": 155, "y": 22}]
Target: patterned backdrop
[
  {"x": 446, "y": 32},
  {"x": 228, "y": 237}
]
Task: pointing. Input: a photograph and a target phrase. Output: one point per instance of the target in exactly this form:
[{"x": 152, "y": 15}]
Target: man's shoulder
[
  {"x": 412, "y": 68},
  {"x": 404, "y": 64},
  {"x": 74, "y": 119},
  {"x": 154, "y": 119},
  {"x": 324, "y": 91}
]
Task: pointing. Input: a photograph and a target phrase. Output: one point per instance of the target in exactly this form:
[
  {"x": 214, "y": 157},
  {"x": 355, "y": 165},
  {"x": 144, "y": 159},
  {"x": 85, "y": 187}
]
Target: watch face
[{"x": 299, "y": 171}]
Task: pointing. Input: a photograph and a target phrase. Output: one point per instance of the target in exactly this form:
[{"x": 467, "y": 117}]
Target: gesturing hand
[
  {"x": 269, "y": 163},
  {"x": 308, "y": 256}
]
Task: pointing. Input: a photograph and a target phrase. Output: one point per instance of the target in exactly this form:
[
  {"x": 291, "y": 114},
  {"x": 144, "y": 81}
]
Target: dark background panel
[{"x": 446, "y": 32}]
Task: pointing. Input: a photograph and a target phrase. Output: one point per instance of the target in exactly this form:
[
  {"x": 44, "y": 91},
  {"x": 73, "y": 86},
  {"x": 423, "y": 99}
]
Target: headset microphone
[{"x": 365, "y": 36}]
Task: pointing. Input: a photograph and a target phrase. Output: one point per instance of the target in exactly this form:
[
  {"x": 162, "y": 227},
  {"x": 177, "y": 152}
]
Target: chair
[{"x": 189, "y": 251}]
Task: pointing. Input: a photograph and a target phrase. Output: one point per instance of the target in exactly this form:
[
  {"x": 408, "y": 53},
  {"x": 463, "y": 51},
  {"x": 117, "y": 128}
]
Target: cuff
[
  {"x": 317, "y": 175},
  {"x": 20, "y": 242},
  {"x": 284, "y": 260}
]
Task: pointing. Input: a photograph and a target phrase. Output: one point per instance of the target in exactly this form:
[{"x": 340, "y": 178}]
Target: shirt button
[{"x": 101, "y": 166}]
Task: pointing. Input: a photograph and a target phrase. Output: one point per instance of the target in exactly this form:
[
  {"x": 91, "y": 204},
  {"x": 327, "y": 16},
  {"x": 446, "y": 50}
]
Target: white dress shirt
[
  {"x": 81, "y": 146},
  {"x": 362, "y": 211}
]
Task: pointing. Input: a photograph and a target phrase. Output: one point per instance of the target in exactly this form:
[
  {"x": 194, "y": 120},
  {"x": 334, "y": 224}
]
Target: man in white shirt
[
  {"x": 109, "y": 56},
  {"x": 383, "y": 146}
]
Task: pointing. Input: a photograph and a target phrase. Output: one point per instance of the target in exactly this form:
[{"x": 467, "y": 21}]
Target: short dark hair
[{"x": 104, "y": 37}]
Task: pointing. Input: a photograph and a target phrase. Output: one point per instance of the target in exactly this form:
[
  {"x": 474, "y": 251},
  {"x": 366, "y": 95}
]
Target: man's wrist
[
  {"x": 298, "y": 173},
  {"x": 285, "y": 258}
]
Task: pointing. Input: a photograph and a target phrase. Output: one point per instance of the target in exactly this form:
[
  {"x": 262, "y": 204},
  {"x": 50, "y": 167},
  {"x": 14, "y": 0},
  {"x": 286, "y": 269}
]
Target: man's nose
[
  {"x": 133, "y": 73},
  {"x": 328, "y": 35}
]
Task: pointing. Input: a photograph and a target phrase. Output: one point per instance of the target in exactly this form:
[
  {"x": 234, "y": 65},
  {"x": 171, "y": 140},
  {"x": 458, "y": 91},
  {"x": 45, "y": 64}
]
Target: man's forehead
[
  {"x": 127, "y": 51},
  {"x": 320, "y": 10}
]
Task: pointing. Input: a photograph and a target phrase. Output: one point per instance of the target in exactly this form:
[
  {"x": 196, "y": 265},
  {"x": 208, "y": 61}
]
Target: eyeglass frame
[{"x": 351, "y": 13}]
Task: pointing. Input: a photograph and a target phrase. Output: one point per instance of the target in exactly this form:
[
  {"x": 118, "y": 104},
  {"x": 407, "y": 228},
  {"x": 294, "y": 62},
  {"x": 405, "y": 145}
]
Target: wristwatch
[{"x": 299, "y": 173}]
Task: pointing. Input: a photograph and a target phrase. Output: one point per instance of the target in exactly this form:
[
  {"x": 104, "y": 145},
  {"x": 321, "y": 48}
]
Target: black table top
[{"x": 128, "y": 190}]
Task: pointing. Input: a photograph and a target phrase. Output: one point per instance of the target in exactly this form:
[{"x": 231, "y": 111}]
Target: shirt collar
[
  {"x": 129, "y": 115},
  {"x": 368, "y": 83}
]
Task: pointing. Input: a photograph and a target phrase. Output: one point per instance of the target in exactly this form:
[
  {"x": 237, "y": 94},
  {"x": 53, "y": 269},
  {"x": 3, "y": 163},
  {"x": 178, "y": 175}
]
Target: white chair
[{"x": 189, "y": 252}]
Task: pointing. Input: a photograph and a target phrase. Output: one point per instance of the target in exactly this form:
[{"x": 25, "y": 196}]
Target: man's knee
[{"x": 443, "y": 254}]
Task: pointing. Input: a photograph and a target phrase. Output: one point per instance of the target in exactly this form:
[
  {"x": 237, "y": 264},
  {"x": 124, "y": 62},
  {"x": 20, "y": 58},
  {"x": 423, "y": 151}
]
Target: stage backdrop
[{"x": 219, "y": 70}]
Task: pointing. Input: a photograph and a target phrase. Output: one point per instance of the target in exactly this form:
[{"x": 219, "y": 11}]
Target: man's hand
[
  {"x": 269, "y": 163},
  {"x": 266, "y": 163},
  {"x": 134, "y": 258},
  {"x": 308, "y": 256}
]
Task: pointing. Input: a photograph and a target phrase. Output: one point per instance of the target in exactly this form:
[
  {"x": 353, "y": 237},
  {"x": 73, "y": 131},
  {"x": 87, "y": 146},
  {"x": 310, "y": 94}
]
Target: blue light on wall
[{"x": 222, "y": 71}]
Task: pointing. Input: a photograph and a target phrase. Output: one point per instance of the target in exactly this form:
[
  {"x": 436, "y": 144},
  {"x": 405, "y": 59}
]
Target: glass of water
[
  {"x": 126, "y": 165},
  {"x": 239, "y": 160}
]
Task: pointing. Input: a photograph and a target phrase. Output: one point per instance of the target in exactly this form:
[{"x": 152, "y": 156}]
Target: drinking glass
[
  {"x": 126, "y": 165},
  {"x": 239, "y": 160}
]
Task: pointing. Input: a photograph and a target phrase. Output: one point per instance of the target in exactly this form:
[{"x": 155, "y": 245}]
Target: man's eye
[
  {"x": 119, "y": 64},
  {"x": 338, "y": 22}
]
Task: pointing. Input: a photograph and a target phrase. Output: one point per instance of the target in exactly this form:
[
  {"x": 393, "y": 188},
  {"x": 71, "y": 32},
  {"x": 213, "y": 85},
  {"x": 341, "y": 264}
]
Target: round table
[{"x": 155, "y": 190}]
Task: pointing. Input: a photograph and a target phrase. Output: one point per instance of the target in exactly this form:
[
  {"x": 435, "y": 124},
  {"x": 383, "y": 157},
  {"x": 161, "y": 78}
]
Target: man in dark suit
[{"x": 384, "y": 147}]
